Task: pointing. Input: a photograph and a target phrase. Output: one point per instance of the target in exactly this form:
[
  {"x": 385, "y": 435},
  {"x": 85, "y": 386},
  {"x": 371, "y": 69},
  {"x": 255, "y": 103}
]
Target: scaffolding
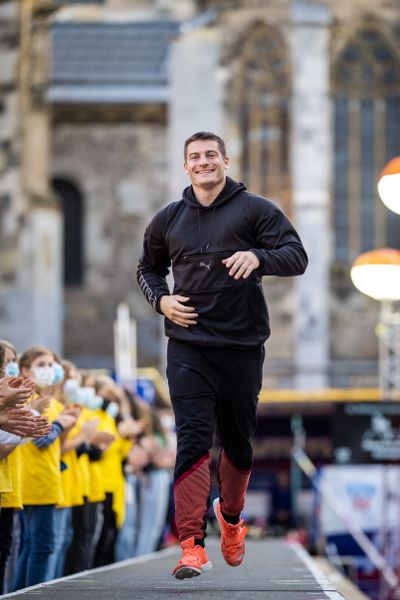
[{"x": 388, "y": 332}]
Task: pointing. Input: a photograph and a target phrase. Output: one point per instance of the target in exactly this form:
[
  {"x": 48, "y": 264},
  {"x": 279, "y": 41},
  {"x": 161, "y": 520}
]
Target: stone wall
[
  {"x": 120, "y": 169},
  {"x": 11, "y": 198},
  {"x": 29, "y": 217}
]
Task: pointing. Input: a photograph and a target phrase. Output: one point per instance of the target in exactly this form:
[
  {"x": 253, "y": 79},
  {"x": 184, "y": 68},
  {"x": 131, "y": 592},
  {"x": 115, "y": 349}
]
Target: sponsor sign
[
  {"x": 368, "y": 496},
  {"x": 367, "y": 432}
]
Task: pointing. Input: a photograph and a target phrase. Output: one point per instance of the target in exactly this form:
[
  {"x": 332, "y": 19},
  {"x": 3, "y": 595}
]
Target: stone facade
[
  {"x": 10, "y": 140},
  {"x": 30, "y": 267},
  {"x": 119, "y": 168},
  {"x": 125, "y": 162}
]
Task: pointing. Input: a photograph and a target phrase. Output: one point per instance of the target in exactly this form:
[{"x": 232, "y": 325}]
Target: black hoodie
[{"x": 195, "y": 239}]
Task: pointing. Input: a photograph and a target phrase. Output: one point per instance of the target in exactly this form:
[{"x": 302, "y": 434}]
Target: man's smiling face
[{"x": 205, "y": 163}]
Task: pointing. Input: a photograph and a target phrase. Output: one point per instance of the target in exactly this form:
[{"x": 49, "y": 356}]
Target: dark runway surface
[{"x": 272, "y": 570}]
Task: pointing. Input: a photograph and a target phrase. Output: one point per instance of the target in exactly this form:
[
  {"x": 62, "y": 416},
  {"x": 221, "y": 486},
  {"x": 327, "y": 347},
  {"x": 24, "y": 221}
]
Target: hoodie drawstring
[{"x": 209, "y": 230}]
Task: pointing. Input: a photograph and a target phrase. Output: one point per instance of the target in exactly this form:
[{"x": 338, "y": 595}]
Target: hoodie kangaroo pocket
[
  {"x": 224, "y": 318},
  {"x": 222, "y": 313},
  {"x": 257, "y": 308},
  {"x": 201, "y": 272}
]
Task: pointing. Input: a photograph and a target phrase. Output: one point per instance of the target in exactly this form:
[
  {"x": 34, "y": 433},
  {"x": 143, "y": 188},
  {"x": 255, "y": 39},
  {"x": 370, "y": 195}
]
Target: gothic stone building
[{"x": 306, "y": 95}]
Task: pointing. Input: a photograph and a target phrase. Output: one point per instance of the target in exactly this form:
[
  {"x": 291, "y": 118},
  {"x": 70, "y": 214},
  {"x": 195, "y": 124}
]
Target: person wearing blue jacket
[{"x": 220, "y": 240}]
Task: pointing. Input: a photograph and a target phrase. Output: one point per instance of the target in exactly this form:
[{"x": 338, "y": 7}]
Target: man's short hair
[{"x": 205, "y": 135}]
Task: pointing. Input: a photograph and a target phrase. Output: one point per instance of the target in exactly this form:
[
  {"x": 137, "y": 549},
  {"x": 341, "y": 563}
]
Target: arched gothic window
[
  {"x": 72, "y": 209},
  {"x": 260, "y": 98},
  {"x": 366, "y": 104}
]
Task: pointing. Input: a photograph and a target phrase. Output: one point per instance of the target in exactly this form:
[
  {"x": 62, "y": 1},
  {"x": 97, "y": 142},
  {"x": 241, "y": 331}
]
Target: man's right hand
[{"x": 175, "y": 311}]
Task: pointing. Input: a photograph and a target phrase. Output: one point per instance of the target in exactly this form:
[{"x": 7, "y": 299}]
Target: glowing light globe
[
  {"x": 389, "y": 185},
  {"x": 377, "y": 274}
]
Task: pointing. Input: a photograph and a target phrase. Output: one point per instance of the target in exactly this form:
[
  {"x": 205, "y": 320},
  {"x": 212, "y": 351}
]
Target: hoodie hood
[{"x": 230, "y": 189}]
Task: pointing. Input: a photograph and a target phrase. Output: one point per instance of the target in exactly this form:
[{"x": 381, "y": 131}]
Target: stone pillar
[
  {"x": 311, "y": 167},
  {"x": 42, "y": 237},
  {"x": 195, "y": 97}
]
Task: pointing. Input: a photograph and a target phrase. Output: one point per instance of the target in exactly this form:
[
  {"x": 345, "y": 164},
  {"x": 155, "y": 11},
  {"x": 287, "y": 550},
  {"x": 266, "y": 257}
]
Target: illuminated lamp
[
  {"x": 389, "y": 185},
  {"x": 377, "y": 274}
]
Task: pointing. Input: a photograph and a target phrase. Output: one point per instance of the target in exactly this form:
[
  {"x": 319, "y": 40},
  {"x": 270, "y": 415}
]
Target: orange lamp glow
[
  {"x": 377, "y": 274},
  {"x": 389, "y": 185}
]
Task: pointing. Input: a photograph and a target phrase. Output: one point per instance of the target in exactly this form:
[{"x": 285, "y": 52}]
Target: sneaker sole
[
  {"x": 206, "y": 567},
  {"x": 189, "y": 572},
  {"x": 237, "y": 564}
]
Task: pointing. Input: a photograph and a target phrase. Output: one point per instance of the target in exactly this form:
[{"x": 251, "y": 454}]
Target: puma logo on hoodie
[{"x": 207, "y": 266}]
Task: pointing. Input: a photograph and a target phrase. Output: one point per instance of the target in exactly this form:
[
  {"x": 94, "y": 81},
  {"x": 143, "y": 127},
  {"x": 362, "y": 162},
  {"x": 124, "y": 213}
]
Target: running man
[{"x": 220, "y": 240}]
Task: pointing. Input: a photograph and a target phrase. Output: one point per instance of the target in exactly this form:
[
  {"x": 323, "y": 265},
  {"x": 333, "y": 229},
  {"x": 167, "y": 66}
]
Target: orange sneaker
[
  {"x": 194, "y": 560},
  {"x": 232, "y": 538}
]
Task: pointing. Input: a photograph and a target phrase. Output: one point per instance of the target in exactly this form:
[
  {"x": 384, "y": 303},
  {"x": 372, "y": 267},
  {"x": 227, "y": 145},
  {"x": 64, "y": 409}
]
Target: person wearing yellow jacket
[
  {"x": 71, "y": 495},
  {"x": 88, "y": 443},
  {"x": 41, "y": 486},
  {"x": 5, "y": 476},
  {"x": 18, "y": 422},
  {"x": 5, "y": 488},
  {"x": 10, "y": 501},
  {"x": 112, "y": 475}
]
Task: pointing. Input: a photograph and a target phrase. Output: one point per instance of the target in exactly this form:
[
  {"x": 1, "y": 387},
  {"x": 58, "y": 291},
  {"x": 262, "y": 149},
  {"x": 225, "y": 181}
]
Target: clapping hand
[
  {"x": 131, "y": 428},
  {"x": 102, "y": 439},
  {"x": 40, "y": 403},
  {"x": 19, "y": 421},
  {"x": 66, "y": 420},
  {"x": 12, "y": 394},
  {"x": 42, "y": 427}
]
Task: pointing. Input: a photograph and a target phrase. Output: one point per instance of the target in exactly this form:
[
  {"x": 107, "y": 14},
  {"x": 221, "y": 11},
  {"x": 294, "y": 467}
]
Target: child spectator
[
  {"x": 155, "y": 485},
  {"x": 137, "y": 415},
  {"x": 25, "y": 423},
  {"x": 41, "y": 483},
  {"x": 86, "y": 442},
  {"x": 111, "y": 469}
]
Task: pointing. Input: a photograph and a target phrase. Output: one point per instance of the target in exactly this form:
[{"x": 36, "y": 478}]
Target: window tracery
[
  {"x": 260, "y": 93},
  {"x": 366, "y": 123}
]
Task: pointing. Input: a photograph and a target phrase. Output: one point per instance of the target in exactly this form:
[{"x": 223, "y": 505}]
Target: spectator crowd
[{"x": 85, "y": 470}]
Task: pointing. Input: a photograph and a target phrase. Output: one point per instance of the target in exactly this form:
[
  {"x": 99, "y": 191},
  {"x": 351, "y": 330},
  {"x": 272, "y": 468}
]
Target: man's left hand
[{"x": 241, "y": 264}]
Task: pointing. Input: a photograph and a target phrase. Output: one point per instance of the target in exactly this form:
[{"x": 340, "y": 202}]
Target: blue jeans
[
  {"x": 154, "y": 495},
  {"x": 126, "y": 540},
  {"x": 62, "y": 541},
  {"x": 33, "y": 564}
]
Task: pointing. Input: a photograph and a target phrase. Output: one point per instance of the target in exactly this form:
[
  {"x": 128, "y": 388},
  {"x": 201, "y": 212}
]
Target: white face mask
[
  {"x": 113, "y": 409},
  {"x": 43, "y": 376},
  {"x": 70, "y": 388},
  {"x": 168, "y": 422},
  {"x": 58, "y": 373},
  {"x": 85, "y": 394},
  {"x": 95, "y": 402}
]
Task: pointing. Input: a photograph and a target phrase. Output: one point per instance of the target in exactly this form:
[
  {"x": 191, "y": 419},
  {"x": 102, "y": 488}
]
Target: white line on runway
[
  {"x": 321, "y": 579},
  {"x": 116, "y": 565}
]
